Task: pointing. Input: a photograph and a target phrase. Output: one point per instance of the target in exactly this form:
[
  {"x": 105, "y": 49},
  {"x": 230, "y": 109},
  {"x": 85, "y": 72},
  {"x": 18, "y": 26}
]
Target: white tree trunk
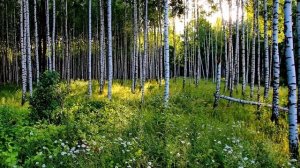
[
  {"x": 67, "y": 45},
  {"x": 291, "y": 77},
  {"x": 266, "y": 47},
  {"x": 53, "y": 36},
  {"x": 48, "y": 49},
  {"x": 28, "y": 46},
  {"x": 145, "y": 50},
  {"x": 218, "y": 85},
  {"x": 237, "y": 47},
  {"x": 298, "y": 54},
  {"x": 102, "y": 34},
  {"x": 134, "y": 56},
  {"x": 185, "y": 45},
  {"x": 23, "y": 53},
  {"x": 276, "y": 63},
  {"x": 36, "y": 44},
  {"x": 253, "y": 50},
  {"x": 90, "y": 50},
  {"x": 243, "y": 52},
  {"x": 110, "y": 61},
  {"x": 166, "y": 49},
  {"x": 251, "y": 102}
]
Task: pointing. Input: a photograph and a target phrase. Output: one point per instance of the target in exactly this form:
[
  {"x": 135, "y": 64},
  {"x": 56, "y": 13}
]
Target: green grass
[{"x": 124, "y": 133}]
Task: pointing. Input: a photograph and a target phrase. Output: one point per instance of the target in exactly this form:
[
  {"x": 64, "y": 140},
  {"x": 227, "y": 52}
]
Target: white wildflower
[
  {"x": 43, "y": 166},
  {"x": 63, "y": 153}
]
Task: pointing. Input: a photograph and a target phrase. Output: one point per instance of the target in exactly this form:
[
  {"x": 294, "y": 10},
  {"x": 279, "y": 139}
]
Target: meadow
[{"x": 95, "y": 132}]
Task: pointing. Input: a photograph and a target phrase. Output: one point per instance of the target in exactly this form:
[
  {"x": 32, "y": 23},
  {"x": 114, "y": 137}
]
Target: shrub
[{"x": 47, "y": 98}]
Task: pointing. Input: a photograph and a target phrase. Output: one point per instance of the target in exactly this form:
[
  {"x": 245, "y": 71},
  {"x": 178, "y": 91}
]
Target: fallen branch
[{"x": 250, "y": 102}]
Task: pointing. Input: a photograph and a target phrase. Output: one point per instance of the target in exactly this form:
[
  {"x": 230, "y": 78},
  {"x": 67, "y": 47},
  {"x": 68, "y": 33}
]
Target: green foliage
[
  {"x": 47, "y": 98},
  {"x": 120, "y": 133}
]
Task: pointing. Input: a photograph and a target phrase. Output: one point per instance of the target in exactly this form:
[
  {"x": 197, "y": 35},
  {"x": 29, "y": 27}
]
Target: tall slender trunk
[
  {"x": 230, "y": 54},
  {"x": 134, "y": 56},
  {"x": 110, "y": 61},
  {"x": 253, "y": 50},
  {"x": 23, "y": 53},
  {"x": 53, "y": 36},
  {"x": 48, "y": 50},
  {"x": 237, "y": 46},
  {"x": 36, "y": 44},
  {"x": 266, "y": 47},
  {"x": 145, "y": 50},
  {"x": 174, "y": 46},
  {"x": 67, "y": 45},
  {"x": 102, "y": 65},
  {"x": 243, "y": 53},
  {"x": 90, "y": 50},
  {"x": 185, "y": 45},
  {"x": 291, "y": 78},
  {"x": 166, "y": 49},
  {"x": 298, "y": 54},
  {"x": 28, "y": 46}
]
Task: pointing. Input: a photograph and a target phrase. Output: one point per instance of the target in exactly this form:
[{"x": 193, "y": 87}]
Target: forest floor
[{"x": 122, "y": 133}]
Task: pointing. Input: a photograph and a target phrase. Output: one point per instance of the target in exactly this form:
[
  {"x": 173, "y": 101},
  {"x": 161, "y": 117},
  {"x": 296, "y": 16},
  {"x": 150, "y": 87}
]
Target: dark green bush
[{"x": 47, "y": 98}]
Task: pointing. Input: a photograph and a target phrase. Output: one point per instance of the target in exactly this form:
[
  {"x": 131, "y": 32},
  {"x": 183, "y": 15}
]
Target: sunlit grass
[{"x": 187, "y": 134}]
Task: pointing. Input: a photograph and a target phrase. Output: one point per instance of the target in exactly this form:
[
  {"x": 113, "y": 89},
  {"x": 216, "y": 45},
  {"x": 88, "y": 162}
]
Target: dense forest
[{"x": 149, "y": 83}]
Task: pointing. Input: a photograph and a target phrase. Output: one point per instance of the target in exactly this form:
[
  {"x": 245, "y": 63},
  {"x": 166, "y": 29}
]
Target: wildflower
[
  {"x": 72, "y": 149},
  {"x": 50, "y": 157},
  {"x": 219, "y": 142},
  {"x": 62, "y": 144},
  {"x": 149, "y": 163},
  {"x": 63, "y": 153},
  {"x": 37, "y": 163},
  {"x": 293, "y": 160},
  {"x": 43, "y": 166},
  {"x": 245, "y": 158},
  {"x": 178, "y": 154},
  {"x": 252, "y": 161},
  {"x": 45, "y": 147},
  {"x": 83, "y": 145}
]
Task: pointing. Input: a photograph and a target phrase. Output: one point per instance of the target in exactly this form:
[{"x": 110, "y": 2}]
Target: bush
[{"x": 47, "y": 98}]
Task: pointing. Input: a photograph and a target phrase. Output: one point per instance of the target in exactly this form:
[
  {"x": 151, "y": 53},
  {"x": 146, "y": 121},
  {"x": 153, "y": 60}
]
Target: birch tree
[
  {"x": 166, "y": 49},
  {"x": 48, "y": 49},
  {"x": 110, "y": 61},
  {"x": 276, "y": 64},
  {"x": 253, "y": 49},
  {"x": 23, "y": 53},
  {"x": 67, "y": 44},
  {"x": 145, "y": 50},
  {"x": 134, "y": 56},
  {"x": 36, "y": 43},
  {"x": 53, "y": 35},
  {"x": 28, "y": 46},
  {"x": 243, "y": 52},
  {"x": 298, "y": 53},
  {"x": 291, "y": 78},
  {"x": 102, "y": 47},
  {"x": 185, "y": 45},
  {"x": 266, "y": 47},
  {"x": 90, "y": 50}
]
